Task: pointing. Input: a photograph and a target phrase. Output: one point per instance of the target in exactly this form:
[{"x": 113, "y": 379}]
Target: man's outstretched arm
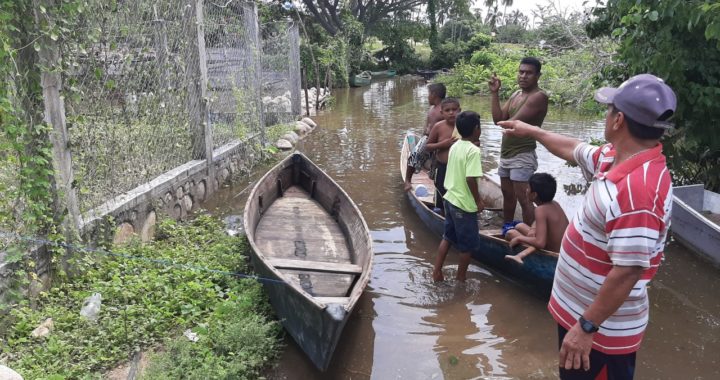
[{"x": 559, "y": 145}]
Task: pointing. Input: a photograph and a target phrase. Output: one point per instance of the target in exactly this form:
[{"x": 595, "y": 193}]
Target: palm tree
[{"x": 493, "y": 5}]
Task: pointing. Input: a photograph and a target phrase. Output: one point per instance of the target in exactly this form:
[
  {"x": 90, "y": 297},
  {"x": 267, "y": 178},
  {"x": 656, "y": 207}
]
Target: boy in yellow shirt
[{"x": 462, "y": 199}]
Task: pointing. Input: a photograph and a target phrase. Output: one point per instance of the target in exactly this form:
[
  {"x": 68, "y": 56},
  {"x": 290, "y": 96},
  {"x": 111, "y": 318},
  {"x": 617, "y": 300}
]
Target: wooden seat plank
[
  {"x": 319, "y": 284},
  {"x": 316, "y": 266}
]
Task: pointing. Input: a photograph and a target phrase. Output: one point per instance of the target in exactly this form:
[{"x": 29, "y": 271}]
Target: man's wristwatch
[{"x": 587, "y": 326}]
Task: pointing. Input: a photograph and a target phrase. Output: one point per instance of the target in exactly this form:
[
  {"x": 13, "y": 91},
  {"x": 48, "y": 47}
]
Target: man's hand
[
  {"x": 494, "y": 84},
  {"x": 575, "y": 349},
  {"x": 517, "y": 128}
]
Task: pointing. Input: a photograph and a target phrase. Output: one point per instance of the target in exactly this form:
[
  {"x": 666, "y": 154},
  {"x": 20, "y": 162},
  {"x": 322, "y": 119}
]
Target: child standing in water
[{"x": 462, "y": 199}]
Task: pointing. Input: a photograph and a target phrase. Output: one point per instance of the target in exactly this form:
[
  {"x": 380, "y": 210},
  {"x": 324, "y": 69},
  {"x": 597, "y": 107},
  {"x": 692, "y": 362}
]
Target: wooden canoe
[
  {"x": 695, "y": 218},
  {"x": 384, "y": 74},
  {"x": 313, "y": 247},
  {"x": 362, "y": 79},
  {"x": 538, "y": 269}
]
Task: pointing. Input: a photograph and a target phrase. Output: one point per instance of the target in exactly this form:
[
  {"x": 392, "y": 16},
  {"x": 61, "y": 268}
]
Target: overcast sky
[{"x": 526, "y": 5}]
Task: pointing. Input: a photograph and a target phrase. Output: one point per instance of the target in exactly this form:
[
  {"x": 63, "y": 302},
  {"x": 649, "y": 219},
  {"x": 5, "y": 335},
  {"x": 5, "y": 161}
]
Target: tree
[
  {"x": 678, "y": 41},
  {"x": 517, "y": 18},
  {"x": 328, "y": 12},
  {"x": 432, "y": 19},
  {"x": 493, "y": 14}
]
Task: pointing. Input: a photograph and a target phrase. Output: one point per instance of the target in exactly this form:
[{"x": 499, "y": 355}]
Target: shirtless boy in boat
[
  {"x": 436, "y": 94},
  {"x": 440, "y": 140},
  {"x": 550, "y": 221}
]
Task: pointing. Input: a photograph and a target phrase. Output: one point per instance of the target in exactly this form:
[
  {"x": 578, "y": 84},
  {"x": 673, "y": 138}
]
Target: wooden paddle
[{"x": 520, "y": 256}]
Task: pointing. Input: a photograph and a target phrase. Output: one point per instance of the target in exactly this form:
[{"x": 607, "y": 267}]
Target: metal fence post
[{"x": 294, "y": 68}]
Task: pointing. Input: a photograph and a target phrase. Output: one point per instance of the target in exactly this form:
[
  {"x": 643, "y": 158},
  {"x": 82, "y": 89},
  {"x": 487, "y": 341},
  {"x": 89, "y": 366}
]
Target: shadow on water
[{"x": 406, "y": 327}]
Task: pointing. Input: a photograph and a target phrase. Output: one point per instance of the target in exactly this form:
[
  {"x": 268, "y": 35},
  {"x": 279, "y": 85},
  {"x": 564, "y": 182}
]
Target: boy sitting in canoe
[
  {"x": 440, "y": 140},
  {"x": 550, "y": 221},
  {"x": 462, "y": 199}
]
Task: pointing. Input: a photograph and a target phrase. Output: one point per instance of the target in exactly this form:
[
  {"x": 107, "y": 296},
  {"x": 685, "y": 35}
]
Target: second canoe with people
[{"x": 537, "y": 270}]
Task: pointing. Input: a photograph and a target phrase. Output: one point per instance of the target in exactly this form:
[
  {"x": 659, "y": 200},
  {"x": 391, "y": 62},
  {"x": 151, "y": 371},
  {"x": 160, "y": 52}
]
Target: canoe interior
[
  {"x": 696, "y": 220},
  {"x": 306, "y": 228},
  {"x": 703, "y": 201},
  {"x": 297, "y": 228}
]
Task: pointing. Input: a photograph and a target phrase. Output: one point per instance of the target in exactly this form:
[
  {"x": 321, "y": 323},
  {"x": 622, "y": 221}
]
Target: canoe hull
[
  {"x": 314, "y": 322},
  {"x": 360, "y": 80},
  {"x": 384, "y": 74},
  {"x": 538, "y": 269},
  {"x": 690, "y": 226},
  {"x": 316, "y": 330}
]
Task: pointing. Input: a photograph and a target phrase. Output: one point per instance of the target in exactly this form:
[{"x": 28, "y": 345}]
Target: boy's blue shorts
[{"x": 461, "y": 228}]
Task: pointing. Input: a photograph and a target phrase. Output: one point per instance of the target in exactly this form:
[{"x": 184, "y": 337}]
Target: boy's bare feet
[
  {"x": 514, "y": 258},
  {"x": 438, "y": 276}
]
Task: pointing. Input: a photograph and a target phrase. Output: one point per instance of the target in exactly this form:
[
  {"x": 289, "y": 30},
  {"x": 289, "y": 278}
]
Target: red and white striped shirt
[{"x": 624, "y": 221}]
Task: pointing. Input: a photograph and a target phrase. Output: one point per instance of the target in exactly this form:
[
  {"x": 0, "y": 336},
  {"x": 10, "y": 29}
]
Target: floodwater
[{"x": 407, "y": 327}]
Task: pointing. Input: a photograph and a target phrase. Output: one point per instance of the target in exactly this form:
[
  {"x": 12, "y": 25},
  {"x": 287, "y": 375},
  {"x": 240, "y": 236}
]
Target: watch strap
[{"x": 588, "y": 326}]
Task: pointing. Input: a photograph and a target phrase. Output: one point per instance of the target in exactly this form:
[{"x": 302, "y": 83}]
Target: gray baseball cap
[{"x": 643, "y": 98}]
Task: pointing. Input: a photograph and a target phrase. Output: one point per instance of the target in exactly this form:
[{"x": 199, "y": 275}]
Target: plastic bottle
[{"x": 91, "y": 307}]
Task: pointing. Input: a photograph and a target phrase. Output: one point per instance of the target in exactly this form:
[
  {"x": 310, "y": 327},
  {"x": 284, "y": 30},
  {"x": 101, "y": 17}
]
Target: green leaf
[
  {"x": 653, "y": 16},
  {"x": 713, "y": 31}
]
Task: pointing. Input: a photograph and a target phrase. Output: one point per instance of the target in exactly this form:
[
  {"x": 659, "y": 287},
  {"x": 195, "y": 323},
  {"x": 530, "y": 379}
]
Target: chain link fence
[
  {"x": 136, "y": 76},
  {"x": 278, "y": 69},
  {"x": 147, "y": 86}
]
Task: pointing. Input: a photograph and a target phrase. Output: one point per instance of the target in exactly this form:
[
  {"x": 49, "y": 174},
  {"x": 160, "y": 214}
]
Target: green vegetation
[
  {"x": 679, "y": 41},
  {"x": 564, "y": 76},
  {"x": 149, "y": 293}
]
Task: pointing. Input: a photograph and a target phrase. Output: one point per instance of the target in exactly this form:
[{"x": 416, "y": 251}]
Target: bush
[
  {"x": 447, "y": 54},
  {"x": 478, "y": 41},
  {"x": 149, "y": 292},
  {"x": 235, "y": 343}
]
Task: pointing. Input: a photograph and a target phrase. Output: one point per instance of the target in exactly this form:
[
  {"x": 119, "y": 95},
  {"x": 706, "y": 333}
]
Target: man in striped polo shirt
[{"x": 614, "y": 245}]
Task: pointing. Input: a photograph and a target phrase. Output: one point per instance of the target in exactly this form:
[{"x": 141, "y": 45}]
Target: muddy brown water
[{"x": 406, "y": 327}]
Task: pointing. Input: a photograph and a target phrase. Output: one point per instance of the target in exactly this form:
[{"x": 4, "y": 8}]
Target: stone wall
[{"x": 176, "y": 194}]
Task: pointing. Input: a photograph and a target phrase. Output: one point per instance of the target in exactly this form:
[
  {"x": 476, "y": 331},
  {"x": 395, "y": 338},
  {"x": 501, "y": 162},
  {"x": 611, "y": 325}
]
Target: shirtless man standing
[
  {"x": 518, "y": 160},
  {"x": 440, "y": 140}
]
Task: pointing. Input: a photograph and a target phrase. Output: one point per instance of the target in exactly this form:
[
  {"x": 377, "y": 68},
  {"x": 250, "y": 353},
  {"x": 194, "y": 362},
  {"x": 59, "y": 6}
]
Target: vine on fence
[{"x": 30, "y": 202}]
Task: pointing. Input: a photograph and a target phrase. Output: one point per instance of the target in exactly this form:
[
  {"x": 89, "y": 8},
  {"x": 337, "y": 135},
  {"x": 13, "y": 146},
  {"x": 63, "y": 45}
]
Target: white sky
[{"x": 525, "y": 6}]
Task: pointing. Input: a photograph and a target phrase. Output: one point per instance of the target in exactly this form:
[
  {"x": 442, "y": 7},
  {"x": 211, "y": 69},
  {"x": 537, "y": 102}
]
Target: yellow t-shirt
[{"x": 464, "y": 161}]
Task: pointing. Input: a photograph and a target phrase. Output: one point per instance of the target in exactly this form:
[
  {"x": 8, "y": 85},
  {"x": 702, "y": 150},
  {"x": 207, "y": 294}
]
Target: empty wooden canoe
[{"x": 313, "y": 247}]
